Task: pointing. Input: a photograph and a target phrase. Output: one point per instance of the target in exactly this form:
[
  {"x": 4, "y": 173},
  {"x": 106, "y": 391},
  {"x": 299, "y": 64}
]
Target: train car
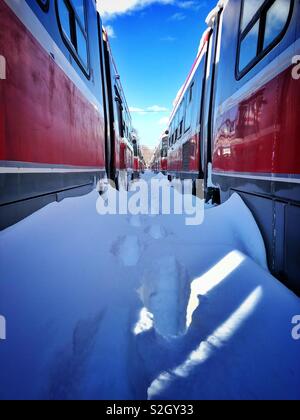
[
  {"x": 59, "y": 96},
  {"x": 160, "y": 156},
  {"x": 139, "y": 163},
  {"x": 120, "y": 153},
  {"x": 184, "y": 127},
  {"x": 155, "y": 160},
  {"x": 143, "y": 165},
  {"x": 164, "y": 153},
  {"x": 247, "y": 111}
]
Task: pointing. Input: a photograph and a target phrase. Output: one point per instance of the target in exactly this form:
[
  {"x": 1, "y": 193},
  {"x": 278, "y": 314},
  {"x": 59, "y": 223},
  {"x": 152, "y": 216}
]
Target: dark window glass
[
  {"x": 44, "y": 4},
  {"x": 191, "y": 93},
  {"x": 189, "y": 108},
  {"x": 181, "y": 128},
  {"x": 249, "y": 47}
]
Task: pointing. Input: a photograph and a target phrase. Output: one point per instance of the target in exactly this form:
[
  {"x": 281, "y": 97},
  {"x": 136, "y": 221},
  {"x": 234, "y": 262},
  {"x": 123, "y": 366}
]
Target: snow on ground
[{"x": 137, "y": 307}]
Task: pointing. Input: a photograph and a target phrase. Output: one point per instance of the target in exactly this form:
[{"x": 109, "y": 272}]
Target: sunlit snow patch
[
  {"x": 213, "y": 343},
  {"x": 145, "y": 322},
  {"x": 204, "y": 284}
]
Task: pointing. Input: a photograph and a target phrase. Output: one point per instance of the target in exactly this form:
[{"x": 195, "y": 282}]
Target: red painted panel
[
  {"x": 47, "y": 119},
  {"x": 194, "y": 153},
  {"x": 164, "y": 164},
  {"x": 261, "y": 134}
]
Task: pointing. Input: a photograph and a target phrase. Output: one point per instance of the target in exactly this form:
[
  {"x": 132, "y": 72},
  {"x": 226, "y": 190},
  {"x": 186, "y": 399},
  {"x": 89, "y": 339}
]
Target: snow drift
[{"x": 120, "y": 307}]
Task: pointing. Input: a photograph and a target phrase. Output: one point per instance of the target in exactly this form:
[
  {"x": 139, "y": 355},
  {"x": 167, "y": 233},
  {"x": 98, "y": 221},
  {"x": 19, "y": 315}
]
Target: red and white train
[
  {"x": 64, "y": 120},
  {"x": 159, "y": 162},
  {"x": 139, "y": 164},
  {"x": 236, "y": 121}
]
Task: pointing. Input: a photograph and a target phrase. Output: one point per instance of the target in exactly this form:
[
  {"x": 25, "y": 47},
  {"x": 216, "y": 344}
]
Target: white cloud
[
  {"x": 135, "y": 109},
  {"x": 168, "y": 38},
  {"x": 178, "y": 17},
  {"x": 164, "y": 121},
  {"x": 157, "y": 108},
  {"x": 189, "y": 4},
  {"x": 113, "y": 7},
  {"x": 148, "y": 110},
  {"x": 110, "y": 31}
]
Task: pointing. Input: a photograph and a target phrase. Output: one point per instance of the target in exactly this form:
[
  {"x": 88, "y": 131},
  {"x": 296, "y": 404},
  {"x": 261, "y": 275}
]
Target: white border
[
  {"x": 273, "y": 178},
  {"x": 41, "y": 170}
]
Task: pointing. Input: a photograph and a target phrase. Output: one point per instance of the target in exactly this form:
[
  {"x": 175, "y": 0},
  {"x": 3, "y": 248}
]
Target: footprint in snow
[
  {"x": 128, "y": 249},
  {"x": 156, "y": 231},
  {"x": 135, "y": 221}
]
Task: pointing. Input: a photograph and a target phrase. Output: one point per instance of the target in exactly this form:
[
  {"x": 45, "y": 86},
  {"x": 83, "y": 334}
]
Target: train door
[
  {"x": 119, "y": 131},
  {"x": 110, "y": 96},
  {"x": 207, "y": 118},
  {"x": 105, "y": 84}
]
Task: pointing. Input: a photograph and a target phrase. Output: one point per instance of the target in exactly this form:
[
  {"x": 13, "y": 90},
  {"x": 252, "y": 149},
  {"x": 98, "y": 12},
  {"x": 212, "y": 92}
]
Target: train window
[
  {"x": 181, "y": 118},
  {"x": 191, "y": 93},
  {"x": 80, "y": 10},
  {"x": 65, "y": 18},
  {"x": 178, "y": 121},
  {"x": 44, "y": 4},
  {"x": 81, "y": 44},
  {"x": 263, "y": 24},
  {"x": 250, "y": 9},
  {"x": 277, "y": 16},
  {"x": 188, "y": 114},
  {"x": 120, "y": 110},
  {"x": 248, "y": 47},
  {"x": 71, "y": 14}
]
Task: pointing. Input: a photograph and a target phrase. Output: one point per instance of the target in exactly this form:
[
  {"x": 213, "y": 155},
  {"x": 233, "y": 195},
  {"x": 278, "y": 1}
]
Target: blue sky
[{"x": 154, "y": 43}]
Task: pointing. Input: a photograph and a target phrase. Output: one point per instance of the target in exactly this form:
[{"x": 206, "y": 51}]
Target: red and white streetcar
[{"x": 236, "y": 120}]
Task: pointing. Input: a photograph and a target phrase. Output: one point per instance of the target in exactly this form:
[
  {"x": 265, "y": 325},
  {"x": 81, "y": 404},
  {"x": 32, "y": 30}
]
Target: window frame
[
  {"x": 188, "y": 104},
  {"x": 44, "y": 5},
  {"x": 68, "y": 43},
  {"x": 179, "y": 119},
  {"x": 260, "y": 16}
]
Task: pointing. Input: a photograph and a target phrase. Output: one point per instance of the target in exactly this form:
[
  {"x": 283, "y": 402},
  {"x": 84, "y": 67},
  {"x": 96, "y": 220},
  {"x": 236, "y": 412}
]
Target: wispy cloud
[
  {"x": 150, "y": 109},
  {"x": 110, "y": 31},
  {"x": 157, "y": 108},
  {"x": 135, "y": 109},
  {"x": 164, "y": 121},
  {"x": 189, "y": 4},
  {"x": 109, "y": 8},
  {"x": 178, "y": 17},
  {"x": 112, "y": 8},
  {"x": 168, "y": 39}
]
